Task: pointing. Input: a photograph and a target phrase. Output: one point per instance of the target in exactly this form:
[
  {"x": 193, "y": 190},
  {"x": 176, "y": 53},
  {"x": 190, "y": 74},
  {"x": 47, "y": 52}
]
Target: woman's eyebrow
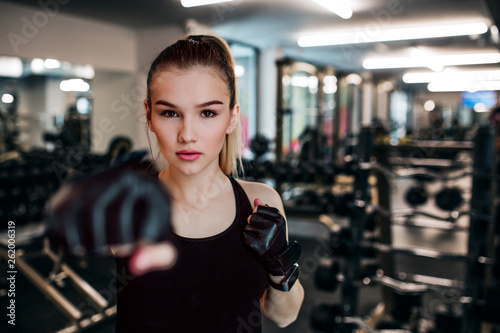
[
  {"x": 204, "y": 105},
  {"x": 165, "y": 103}
]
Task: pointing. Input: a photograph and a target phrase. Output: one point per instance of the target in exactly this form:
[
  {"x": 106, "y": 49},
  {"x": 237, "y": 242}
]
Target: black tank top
[{"x": 214, "y": 287}]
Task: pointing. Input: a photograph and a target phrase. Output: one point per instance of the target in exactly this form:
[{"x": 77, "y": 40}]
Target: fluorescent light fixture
[
  {"x": 85, "y": 71},
  {"x": 409, "y": 33},
  {"x": 472, "y": 86},
  {"x": 37, "y": 65},
  {"x": 451, "y": 75},
  {"x": 195, "y": 3},
  {"x": 430, "y": 62},
  {"x": 74, "y": 85},
  {"x": 338, "y": 7},
  {"x": 52, "y": 63},
  {"x": 7, "y": 98},
  {"x": 11, "y": 67},
  {"x": 445, "y": 60}
]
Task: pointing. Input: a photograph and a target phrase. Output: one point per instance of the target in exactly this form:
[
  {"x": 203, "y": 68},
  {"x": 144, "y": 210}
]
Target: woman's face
[{"x": 190, "y": 117}]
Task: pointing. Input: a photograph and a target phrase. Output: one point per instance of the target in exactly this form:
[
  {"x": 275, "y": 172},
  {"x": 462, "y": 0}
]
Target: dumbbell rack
[
  {"x": 363, "y": 154},
  {"x": 480, "y": 230},
  {"x": 395, "y": 291},
  {"x": 479, "y": 233}
]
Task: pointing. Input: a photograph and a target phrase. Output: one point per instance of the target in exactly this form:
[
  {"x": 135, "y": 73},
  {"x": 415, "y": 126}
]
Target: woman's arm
[{"x": 279, "y": 306}]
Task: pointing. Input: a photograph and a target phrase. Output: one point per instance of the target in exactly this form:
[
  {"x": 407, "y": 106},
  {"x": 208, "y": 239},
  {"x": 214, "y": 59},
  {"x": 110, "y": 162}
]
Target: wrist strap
[
  {"x": 283, "y": 262},
  {"x": 288, "y": 281}
]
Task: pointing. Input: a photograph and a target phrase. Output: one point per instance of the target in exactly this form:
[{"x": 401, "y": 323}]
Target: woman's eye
[
  {"x": 169, "y": 114},
  {"x": 208, "y": 114}
]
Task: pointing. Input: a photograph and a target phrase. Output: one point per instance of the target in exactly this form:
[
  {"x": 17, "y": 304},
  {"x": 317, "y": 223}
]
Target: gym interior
[{"x": 376, "y": 121}]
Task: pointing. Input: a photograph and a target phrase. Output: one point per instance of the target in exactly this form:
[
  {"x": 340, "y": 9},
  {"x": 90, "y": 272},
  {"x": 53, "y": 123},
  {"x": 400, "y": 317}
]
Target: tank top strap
[{"x": 242, "y": 200}]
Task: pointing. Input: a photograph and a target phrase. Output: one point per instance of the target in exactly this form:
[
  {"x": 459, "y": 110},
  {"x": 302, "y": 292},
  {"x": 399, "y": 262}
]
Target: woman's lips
[{"x": 188, "y": 155}]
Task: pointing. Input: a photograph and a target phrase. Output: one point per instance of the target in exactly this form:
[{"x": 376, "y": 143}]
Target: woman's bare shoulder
[{"x": 264, "y": 192}]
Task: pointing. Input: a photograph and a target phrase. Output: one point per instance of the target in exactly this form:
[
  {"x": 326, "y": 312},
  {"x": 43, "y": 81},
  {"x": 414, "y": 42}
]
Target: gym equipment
[
  {"x": 405, "y": 304},
  {"x": 97, "y": 309},
  {"x": 330, "y": 318},
  {"x": 416, "y": 196},
  {"x": 492, "y": 305},
  {"x": 341, "y": 245},
  {"x": 119, "y": 146},
  {"x": 481, "y": 204},
  {"x": 343, "y": 204},
  {"x": 328, "y": 276},
  {"x": 448, "y": 322},
  {"x": 449, "y": 199},
  {"x": 406, "y": 297}
]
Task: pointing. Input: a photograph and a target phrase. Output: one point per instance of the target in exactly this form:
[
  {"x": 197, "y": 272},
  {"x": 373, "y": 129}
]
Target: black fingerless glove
[
  {"x": 115, "y": 207},
  {"x": 266, "y": 235}
]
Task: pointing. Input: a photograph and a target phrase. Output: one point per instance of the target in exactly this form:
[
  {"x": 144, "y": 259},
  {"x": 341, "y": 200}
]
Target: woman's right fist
[{"x": 119, "y": 206}]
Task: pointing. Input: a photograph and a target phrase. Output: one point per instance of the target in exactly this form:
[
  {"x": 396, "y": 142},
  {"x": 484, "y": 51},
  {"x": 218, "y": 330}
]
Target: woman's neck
[{"x": 193, "y": 188}]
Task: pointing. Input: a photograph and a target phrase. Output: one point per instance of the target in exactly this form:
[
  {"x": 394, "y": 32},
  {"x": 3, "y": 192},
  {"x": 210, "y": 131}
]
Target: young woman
[{"x": 233, "y": 258}]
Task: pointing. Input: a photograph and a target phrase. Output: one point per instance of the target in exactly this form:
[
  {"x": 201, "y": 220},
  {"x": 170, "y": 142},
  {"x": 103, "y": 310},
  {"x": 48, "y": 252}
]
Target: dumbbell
[
  {"x": 328, "y": 276},
  {"x": 328, "y": 173},
  {"x": 449, "y": 199},
  {"x": 447, "y": 322},
  {"x": 327, "y": 202},
  {"x": 330, "y": 318},
  {"x": 343, "y": 204},
  {"x": 281, "y": 171},
  {"x": 308, "y": 198},
  {"x": 340, "y": 246},
  {"x": 416, "y": 196}
]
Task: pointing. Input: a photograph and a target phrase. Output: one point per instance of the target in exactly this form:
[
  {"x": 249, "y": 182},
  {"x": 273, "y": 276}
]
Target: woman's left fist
[{"x": 265, "y": 233}]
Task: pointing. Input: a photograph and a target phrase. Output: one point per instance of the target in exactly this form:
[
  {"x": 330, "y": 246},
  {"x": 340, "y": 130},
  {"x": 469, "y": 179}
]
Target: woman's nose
[{"x": 187, "y": 131}]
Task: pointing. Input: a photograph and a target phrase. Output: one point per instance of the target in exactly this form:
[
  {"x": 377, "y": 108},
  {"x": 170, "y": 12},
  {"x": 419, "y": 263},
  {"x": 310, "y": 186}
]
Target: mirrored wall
[{"x": 45, "y": 103}]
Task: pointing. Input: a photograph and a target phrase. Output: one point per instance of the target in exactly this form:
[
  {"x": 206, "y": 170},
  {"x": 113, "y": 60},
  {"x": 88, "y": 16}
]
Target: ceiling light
[
  {"x": 11, "y": 67},
  {"x": 430, "y": 62},
  {"x": 74, "y": 85},
  {"x": 429, "y": 105},
  {"x": 385, "y": 35},
  {"x": 471, "y": 86},
  {"x": 451, "y": 75},
  {"x": 337, "y": 7},
  {"x": 7, "y": 98},
  {"x": 52, "y": 63},
  {"x": 445, "y": 60},
  {"x": 481, "y": 107},
  {"x": 239, "y": 70},
  {"x": 353, "y": 79},
  {"x": 195, "y": 3},
  {"x": 37, "y": 65}
]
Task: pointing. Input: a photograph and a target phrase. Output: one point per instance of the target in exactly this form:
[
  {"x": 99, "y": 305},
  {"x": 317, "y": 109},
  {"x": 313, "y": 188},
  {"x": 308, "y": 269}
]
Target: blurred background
[{"x": 376, "y": 121}]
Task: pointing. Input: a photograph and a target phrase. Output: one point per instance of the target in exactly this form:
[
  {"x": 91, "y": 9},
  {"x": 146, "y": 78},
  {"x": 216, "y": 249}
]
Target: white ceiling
[{"x": 280, "y": 22}]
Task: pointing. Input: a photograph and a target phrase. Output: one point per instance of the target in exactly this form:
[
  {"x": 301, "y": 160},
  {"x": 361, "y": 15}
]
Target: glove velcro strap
[{"x": 284, "y": 261}]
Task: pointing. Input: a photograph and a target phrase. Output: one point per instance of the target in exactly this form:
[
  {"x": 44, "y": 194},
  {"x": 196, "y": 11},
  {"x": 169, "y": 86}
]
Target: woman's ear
[
  {"x": 234, "y": 119},
  {"x": 148, "y": 116}
]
